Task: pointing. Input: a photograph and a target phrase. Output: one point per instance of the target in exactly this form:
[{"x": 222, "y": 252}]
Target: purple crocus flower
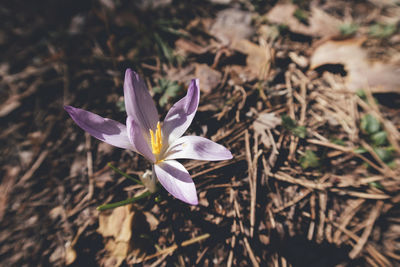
[{"x": 160, "y": 143}]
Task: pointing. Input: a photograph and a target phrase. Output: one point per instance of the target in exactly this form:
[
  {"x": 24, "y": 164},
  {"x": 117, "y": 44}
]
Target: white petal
[
  {"x": 196, "y": 147},
  {"x": 106, "y": 130},
  {"x": 176, "y": 180},
  {"x": 181, "y": 114}
]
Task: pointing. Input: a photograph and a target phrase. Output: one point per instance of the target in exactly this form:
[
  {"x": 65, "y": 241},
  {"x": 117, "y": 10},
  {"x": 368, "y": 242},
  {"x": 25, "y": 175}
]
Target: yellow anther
[{"x": 156, "y": 141}]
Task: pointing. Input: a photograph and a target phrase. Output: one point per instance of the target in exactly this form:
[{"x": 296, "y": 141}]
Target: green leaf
[
  {"x": 360, "y": 150},
  {"x": 385, "y": 154},
  {"x": 172, "y": 89},
  {"x": 361, "y": 94},
  {"x": 289, "y": 124},
  {"x": 121, "y": 105},
  {"x": 309, "y": 160},
  {"x": 301, "y": 15},
  {"x": 377, "y": 185},
  {"x": 379, "y": 138},
  {"x": 370, "y": 124},
  {"x": 348, "y": 29},
  {"x": 300, "y": 131},
  {"x": 382, "y": 30},
  {"x": 391, "y": 164},
  {"x": 338, "y": 142},
  {"x": 166, "y": 50}
]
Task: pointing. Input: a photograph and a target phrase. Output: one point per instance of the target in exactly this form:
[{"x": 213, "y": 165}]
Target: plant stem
[
  {"x": 123, "y": 202},
  {"x": 124, "y": 174}
]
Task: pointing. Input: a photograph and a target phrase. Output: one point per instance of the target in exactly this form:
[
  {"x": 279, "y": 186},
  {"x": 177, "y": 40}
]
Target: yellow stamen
[{"x": 156, "y": 141}]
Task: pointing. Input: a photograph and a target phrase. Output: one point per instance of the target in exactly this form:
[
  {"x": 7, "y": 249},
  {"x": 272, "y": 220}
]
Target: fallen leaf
[
  {"x": 379, "y": 76},
  {"x": 78, "y": 166},
  {"x": 182, "y": 75},
  {"x": 124, "y": 229},
  {"x": 320, "y": 23},
  {"x": 221, "y": 2},
  {"x": 189, "y": 46},
  {"x": 118, "y": 224},
  {"x": 265, "y": 122},
  {"x": 70, "y": 255},
  {"x": 229, "y": 19},
  {"x": 209, "y": 78},
  {"x": 258, "y": 58}
]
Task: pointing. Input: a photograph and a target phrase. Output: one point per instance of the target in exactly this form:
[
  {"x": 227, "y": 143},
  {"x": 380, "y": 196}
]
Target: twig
[
  {"x": 359, "y": 194},
  {"x": 346, "y": 217},
  {"x": 246, "y": 241},
  {"x": 89, "y": 162},
  {"x": 172, "y": 248},
  {"x": 322, "y": 197},
  {"x": 219, "y": 165},
  {"x": 300, "y": 196},
  {"x": 370, "y": 249},
  {"x": 348, "y": 150},
  {"x": 34, "y": 167},
  {"x": 367, "y": 231},
  {"x": 233, "y": 243},
  {"x": 308, "y": 184}
]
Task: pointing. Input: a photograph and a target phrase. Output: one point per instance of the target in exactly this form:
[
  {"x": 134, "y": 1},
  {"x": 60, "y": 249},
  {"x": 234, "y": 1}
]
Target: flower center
[{"x": 156, "y": 140}]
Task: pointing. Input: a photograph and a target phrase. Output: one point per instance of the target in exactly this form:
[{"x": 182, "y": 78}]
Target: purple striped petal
[
  {"x": 138, "y": 102},
  {"x": 196, "y": 147},
  {"x": 181, "y": 114},
  {"x": 138, "y": 139},
  {"x": 176, "y": 180},
  {"x": 106, "y": 130}
]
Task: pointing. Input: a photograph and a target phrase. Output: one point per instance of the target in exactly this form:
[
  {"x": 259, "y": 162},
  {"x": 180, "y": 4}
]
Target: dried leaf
[
  {"x": 258, "y": 58},
  {"x": 263, "y": 123},
  {"x": 379, "y": 76},
  {"x": 229, "y": 19},
  {"x": 209, "y": 78},
  {"x": 190, "y": 47},
  {"x": 70, "y": 255},
  {"x": 118, "y": 224},
  {"x": 124, "y": 230},
  {"x": 319, "y": 22}
]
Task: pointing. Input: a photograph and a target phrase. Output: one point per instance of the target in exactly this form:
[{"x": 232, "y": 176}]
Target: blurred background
[{"x": 304, "y": 93}]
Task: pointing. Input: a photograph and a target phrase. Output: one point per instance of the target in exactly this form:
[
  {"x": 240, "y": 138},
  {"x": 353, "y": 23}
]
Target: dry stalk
[
  {"x": 367, "y": 231},
  {"x": 34, "y": 167},
  {"x": 172, "y": 248},
  {"x": 346, "y": 217},
  {"x": 245, "y": 240},
  {"x": 322, "y": 197},
  {"x": 350, "y": 151},
  {"x": 89, "y": 161}
]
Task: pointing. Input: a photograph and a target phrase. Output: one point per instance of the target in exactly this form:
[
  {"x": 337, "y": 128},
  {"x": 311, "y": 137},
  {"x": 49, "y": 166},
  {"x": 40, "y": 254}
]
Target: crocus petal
[
  {"x": 107, "y": 130},
  {"x": 176, "y": 180},
  {"x": 196, "y": 147},
  {"x": 138, "y": 102},
  {"x": 181, "y": 114},
  {"x": 138, "y": 139}
]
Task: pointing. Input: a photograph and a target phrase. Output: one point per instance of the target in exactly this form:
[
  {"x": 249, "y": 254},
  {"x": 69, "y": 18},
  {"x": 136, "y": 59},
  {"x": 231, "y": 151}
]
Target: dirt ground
[{"x": 305, "y": 94}]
